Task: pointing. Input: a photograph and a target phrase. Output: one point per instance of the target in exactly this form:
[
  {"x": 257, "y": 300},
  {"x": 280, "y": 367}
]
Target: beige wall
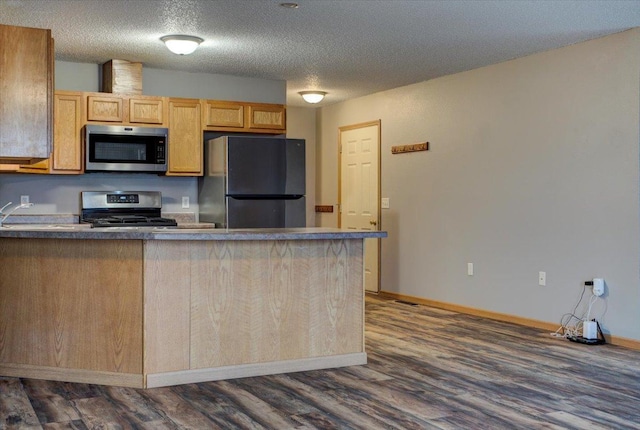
[
  {"x": 174, "y": 83},
  {"x": 301, "y": 124},
  {"x": 534, "y": 166}
]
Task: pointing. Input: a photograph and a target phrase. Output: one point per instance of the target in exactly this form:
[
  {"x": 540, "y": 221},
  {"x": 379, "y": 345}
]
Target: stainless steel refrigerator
[{"x": 253, "y": 182}]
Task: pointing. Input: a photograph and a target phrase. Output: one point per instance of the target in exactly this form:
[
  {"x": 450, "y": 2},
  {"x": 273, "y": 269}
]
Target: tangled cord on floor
[{"x": 570, "y": 323}]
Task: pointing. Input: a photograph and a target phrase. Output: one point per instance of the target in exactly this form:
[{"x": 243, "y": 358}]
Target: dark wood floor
[{"x": 428, "y": 369}]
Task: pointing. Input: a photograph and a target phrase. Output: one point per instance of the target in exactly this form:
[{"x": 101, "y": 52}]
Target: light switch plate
[
  {"x": 185, "y": 202},
  {"x": 384, "y": 203}
]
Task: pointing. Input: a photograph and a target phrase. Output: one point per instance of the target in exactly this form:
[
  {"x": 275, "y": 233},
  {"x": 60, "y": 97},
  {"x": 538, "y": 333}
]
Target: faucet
[{"x": 4, "y": 215}]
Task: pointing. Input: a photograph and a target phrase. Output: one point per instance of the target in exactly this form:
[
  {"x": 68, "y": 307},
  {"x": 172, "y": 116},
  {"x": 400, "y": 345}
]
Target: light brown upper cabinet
[
  {"x": 104, "y": 108},
  {"x": 243, "y": 117},
  {"x": 148, "y": 110},
  {"x": 66, "y": 157},
  {"x": 220, "y": 114},
  {"x": 26, "y": 94},
  {"x": 185, "y": 138},
  {"x": 67, "y": 138},
  {"x": 266, "y": 117},
  {"x": 117, "y": 109}
]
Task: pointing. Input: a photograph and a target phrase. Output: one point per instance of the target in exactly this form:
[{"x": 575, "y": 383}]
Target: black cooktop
[{"x": 133, "y": 221}]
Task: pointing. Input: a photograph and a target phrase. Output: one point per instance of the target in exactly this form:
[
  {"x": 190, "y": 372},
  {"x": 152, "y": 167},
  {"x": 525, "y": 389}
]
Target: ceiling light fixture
[
  {"x": 289, "y": 5},
  {"x": 312, "y": 96},
  {"x": 181, "y": 44}
]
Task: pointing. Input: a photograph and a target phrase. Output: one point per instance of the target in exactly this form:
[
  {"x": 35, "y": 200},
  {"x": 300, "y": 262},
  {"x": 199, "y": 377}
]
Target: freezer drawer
[{"x": 265, "y": 213}]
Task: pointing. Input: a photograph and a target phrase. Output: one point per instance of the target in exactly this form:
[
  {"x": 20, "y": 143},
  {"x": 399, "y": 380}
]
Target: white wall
[{"x": 534, "y": 166}]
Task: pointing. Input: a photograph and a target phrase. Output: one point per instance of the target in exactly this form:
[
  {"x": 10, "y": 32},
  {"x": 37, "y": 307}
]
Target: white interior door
[{"x": 360, "y": 191}]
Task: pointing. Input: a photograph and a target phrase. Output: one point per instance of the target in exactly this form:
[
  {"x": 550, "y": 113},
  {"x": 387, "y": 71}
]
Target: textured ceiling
[{"x": 348, "y": 48}]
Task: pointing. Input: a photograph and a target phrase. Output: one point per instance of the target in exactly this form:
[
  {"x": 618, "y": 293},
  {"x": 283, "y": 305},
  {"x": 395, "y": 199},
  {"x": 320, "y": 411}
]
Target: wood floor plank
[
  {"x": 133, "y": 404},
  {"x": 340, "y": 413},
  {"x": 214, "y": 405},
  {"x": 176, "y": 409},
  {"x": 575, "y": 421},
  {"x": 259, "y": 410},
  {"x": 99, "y": 413},
  {"x": 51, "y": 402},
  {"x": 286, "y": 400},
  {"x": 427, "y": 369},
  {"x": 15, "y": 408},
  {"x": 66, "y": 425}
]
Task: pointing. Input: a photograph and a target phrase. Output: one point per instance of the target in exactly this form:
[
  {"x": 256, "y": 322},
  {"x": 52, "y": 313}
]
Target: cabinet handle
[{"x": 373, "y": 222}]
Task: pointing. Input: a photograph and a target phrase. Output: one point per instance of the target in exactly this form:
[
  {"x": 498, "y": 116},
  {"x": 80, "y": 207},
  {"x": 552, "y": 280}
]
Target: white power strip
[
  {"x": 590, "y": 330},
  {"x": 598, "y": 287}
]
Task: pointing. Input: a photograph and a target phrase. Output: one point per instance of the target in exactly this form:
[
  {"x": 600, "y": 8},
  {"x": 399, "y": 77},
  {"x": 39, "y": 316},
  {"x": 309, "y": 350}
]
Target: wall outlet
[
  {"x": 24, "y": 200},
  {"x": 542, "y": 278},
  {"x": 470, "y": 269},
  {"x": 185, "y": 202}
]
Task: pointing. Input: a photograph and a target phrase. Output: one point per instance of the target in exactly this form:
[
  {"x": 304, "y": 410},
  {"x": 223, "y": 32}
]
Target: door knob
[{"x": 373, "y": 222}]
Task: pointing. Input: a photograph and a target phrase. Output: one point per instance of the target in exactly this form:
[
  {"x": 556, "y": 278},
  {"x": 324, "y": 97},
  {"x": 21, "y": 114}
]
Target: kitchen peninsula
[{"x": 150, "y": 307}]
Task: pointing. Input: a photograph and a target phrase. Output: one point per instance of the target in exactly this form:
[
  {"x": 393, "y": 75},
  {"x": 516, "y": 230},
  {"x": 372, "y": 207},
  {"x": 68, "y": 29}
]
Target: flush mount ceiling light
[
  {"x": 312, "y": 96},
  {"x": 181, "y": 44}
]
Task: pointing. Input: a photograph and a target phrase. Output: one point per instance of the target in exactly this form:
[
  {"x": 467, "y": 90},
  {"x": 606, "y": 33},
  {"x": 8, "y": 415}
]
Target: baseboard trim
[
  {"x": 82, "y": 376},
  {"x": 165, "y": 379},
  {"x": 543, "y": 325}
]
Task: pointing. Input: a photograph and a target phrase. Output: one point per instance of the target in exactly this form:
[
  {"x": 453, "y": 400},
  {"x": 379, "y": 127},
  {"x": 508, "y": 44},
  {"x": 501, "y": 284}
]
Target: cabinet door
[
  {"x": 104, "y": 108},
  {"x": 264, "y": 116},
  {"x": 223, "y": 114},
  {"x": 146, "y": 111},
  {"x": 185, "y": 138},
  {"x": 66, "y": 157},
  {"x": 25, "y": 93},
  {"x": 67, "y": 138}
]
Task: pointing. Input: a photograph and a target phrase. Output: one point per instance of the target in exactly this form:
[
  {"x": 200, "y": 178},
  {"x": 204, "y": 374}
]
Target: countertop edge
[{"x": 311, "y": 233}]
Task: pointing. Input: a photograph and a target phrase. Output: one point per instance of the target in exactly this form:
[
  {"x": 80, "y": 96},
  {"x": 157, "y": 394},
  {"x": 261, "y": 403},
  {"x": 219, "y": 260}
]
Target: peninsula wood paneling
[
  {"x": 290, "y": 300},
  {"x": 71, "y": 304},
  {"x": 210, "y": 304},
  {"x": 166, "y": 306}
]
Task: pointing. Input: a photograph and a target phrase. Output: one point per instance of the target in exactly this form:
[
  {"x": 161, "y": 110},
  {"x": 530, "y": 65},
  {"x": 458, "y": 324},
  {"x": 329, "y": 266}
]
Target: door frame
[{"x": 377, "y": 123}]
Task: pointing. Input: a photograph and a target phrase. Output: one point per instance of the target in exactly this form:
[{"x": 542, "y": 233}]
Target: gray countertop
[{"x": 83, "y": 231}]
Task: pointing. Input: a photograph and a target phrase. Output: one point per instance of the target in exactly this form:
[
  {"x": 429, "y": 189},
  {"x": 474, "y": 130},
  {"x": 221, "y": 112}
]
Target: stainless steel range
[{"x": 124, "y": 209}]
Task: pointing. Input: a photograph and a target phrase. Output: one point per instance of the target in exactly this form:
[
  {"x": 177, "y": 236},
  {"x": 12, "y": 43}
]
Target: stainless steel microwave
[{"x": 116, "y": 148}]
